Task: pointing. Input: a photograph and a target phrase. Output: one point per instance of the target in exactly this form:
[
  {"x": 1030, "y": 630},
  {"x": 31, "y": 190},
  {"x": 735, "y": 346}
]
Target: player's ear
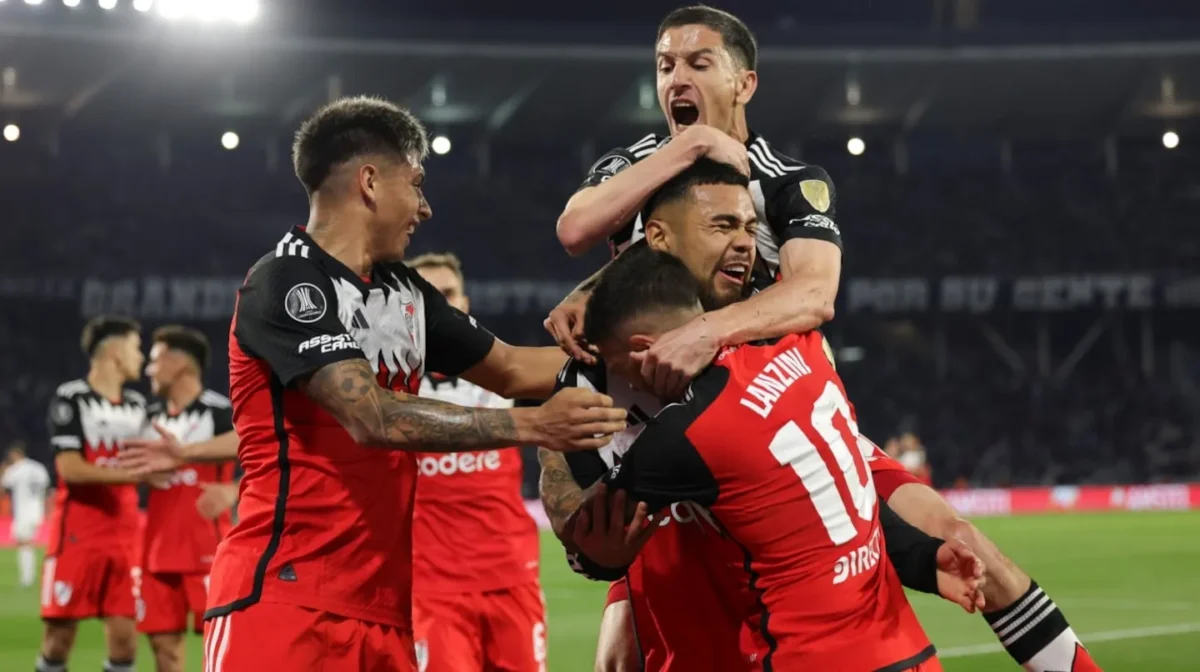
[
  {"x": 368, "y": 182},
  {"x": 658, "y": 235},
  {"x": 640, "y": 342},
  {"x": 747, "y": 85}
]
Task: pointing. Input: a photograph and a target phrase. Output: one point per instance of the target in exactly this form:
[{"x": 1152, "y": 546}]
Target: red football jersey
[
  {"x": 792, "y": 488},
  {"x": 471, "y": 531},
  {"x": 102, "y": 518},
  {"x": 177, "y": 538},
  {"x": 326, "y": 523}
]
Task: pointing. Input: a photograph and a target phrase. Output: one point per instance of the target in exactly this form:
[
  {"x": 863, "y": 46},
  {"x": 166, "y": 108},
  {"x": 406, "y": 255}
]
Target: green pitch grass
[{"x": 1128, "y": 583}]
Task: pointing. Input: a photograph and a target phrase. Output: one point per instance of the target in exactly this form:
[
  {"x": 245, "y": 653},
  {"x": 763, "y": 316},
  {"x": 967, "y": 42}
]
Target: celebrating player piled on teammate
[
  {"x": 93, "y": 531},
  {"x": 27, "y": 482},
  {"x": 765, "y": 442},
  {"x": 705, "y": 63},
  {"x": 477, "y": 602},
  {"x": 179, "y": 542},
  {"x": 330, "y": 339}
]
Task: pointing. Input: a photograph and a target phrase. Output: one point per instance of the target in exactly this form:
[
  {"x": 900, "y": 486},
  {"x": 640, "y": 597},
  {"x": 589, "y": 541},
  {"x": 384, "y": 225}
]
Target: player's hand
[
  {"x": 147, "y": 456},
  {"x": 669, "y": 365},
  {"x": 576, "y": 419},
  {"x": 719, "y": 146},
  {"x": 960, "y": 576},
  {"x": 565, "y": 324},
  {"x": 601, "y": 534},
  {"x": 160, "y": 480},
  {"x": 216, "y": 499}
]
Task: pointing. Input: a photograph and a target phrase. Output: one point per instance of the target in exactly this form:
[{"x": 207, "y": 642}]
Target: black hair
[
  {"x": 352, "y": 127},
  {"x": 189, "y": 341},
  {"x": 737, "y": 37},
  {"x": 703, "y": 171},
  {"x": 638, "y": 281},
  {"x": 102, "y": 327}
]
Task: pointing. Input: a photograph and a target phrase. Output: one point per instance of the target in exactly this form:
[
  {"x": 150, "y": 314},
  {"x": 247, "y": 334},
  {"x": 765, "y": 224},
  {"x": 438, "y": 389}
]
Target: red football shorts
[
  {"x": 269, "y": 636},
  {"x": 495, "y": 630},
  {"x": 164, "y": 601},
  {"x": 82, "y": 584}
]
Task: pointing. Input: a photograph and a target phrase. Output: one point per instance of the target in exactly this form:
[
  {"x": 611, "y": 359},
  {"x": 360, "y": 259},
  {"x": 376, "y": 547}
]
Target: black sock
[
  {"x": 118, "y": 665},
  {"x": 1036, "y": 634},
  {"x": 45, "y": 664}
]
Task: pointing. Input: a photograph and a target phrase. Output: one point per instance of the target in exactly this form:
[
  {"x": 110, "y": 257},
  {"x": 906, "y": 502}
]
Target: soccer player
[
  {"x": 706, "y": 238},
  {"x": 26, "y": 481},
  {"x": 89, "y": 566},
  {"x": 477, "y": 602},
  {"x": 789, "y": 485},
  {"x": 706, "y": 61},
  {"x": 179, "y": 542},
  {"x": 330, "y": 339}
]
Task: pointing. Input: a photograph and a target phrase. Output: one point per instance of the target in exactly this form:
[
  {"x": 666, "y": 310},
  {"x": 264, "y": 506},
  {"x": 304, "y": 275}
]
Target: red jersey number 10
[{"x": 792, "y": 448}]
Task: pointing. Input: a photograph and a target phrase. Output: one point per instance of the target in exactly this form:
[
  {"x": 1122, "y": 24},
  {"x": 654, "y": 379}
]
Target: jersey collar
[{"x": 337, "y": 268}]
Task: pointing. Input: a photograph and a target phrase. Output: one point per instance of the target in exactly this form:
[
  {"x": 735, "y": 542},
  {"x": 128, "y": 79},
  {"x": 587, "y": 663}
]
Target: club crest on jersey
[
  {"x": 62, "y": 593},
  {"x": 62, "y": 413},
  {"x": 305, "y": 303},
  {"x": 816, "y": 192},
  {"x": 410, "y": 320}
]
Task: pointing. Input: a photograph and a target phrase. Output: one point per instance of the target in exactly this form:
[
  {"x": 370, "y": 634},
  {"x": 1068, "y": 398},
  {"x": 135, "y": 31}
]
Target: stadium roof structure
[{"x": 519, "y": 87}]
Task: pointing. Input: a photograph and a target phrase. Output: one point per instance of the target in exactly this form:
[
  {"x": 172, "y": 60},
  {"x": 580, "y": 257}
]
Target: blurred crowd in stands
[{"x": 983, "y": 417}]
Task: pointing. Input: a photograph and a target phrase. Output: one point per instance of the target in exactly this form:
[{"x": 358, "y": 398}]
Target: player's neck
[
  {"x": 106, "y": 380},
  {"x": 740, "y": 130},
  {"x": 332, "y": 232},
  {"x": 183, "y": 393}
]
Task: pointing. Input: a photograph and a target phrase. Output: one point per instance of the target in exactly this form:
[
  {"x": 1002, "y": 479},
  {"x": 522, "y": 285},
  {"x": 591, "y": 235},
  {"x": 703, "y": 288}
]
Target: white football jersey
[{"x": 27, "y": 481}]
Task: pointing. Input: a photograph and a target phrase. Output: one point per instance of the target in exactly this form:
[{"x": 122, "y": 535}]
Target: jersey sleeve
[
  {"x": 9, "y": 480},
  {"x": 662, "y": 466},
  {"x": 611, "y": 163},
  {"x": 454, "y": 340},
  {"x": 803, "y": 205},
  {"x": 66, "y": 431},
  {"x": 887, "y": 474},
  {"x": 287, "y": 316},
  {"x": 912, "y": 552}
]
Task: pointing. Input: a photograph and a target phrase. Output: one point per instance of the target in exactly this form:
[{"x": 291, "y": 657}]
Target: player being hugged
[
  {"x": 179, "y": 542},
  {"x": 330, "y": 339},
  {"x": 90, "y": 563},
  {"x": 765, "y": 442}
]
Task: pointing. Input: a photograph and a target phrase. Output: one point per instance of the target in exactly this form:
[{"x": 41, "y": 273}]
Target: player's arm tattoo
[
  {"x": 561, "y": 495},
  {"x": 379, "y": 417}
]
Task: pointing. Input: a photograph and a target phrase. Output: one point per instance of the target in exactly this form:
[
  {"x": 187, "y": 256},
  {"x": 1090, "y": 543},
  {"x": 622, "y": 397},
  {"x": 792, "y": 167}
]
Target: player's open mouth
[
  {"x": 684, "y": 113},
  {"x": 735, "y": 273}
]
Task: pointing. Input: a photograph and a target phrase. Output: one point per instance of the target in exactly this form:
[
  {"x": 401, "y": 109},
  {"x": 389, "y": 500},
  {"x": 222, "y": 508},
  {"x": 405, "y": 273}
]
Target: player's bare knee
[
  {"x": 58, "y": 639},
  {"x": 121, "y": 635},
  {"x": 168, "y": 651}
]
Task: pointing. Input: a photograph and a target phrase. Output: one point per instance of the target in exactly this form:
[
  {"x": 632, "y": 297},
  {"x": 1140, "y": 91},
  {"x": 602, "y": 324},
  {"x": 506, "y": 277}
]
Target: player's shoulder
[
  {"x": 575, "y": 373},
  {"x": 214, "y": 399},
  {"x": 773, "y": 165},
  {"x": 292, "y": 257},
  {"x": 133, "y": 398},
  {"x": 72, "y": 389},
  {"x": 619, "y": 158}
]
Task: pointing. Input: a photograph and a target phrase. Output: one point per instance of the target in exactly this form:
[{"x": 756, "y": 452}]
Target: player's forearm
[
  {"x": 561, "y": 495},
  {"x": 598, "y": 212},
  {"x": 795, "y": 305},
  {"x": 217, "y": 449},
  {"x": 377, "y": 417},
  {"x": 83, "y": 473},
  {"x": 518, "y": 373},
  {"x": 912, "y": 552}
]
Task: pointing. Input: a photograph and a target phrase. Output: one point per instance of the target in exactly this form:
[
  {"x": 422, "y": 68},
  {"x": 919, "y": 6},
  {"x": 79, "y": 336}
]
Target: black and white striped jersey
[{"x": 793, "y": 199}]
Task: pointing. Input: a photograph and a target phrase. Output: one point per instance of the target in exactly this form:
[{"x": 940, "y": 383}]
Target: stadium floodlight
[
  {"x": 243, "y": 11},
  {"x": 108, "y": 4},
  {"x": 171, "y": 9},
  {"x": 230, "y": 140},
  {"x": 440, "y": 145},
  {"x": 1170, "y": 139},
  {"x": 33, "y": 2},
  {"x": 71, "y": 3},
  {"x": 143, "y": 5},
  {"x": 856, "y": 146},
  {"x": 12, "y": 132}
]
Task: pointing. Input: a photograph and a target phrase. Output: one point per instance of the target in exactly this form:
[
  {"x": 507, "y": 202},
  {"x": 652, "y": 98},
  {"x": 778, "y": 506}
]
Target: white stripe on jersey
[
  {"x": 214, "y": 399},
  {"x": 72, "y": 388},
  {"x": 648, "y": 141},
  {"x": 772, "y": 158}
]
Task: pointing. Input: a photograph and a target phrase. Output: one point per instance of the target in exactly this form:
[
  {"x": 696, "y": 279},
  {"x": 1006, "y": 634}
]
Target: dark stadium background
[{"x": 1021, "y": 284}]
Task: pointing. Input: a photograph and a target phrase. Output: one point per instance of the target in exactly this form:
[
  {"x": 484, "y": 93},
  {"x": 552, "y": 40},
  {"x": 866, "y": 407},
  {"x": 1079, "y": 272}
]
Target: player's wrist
[{"x": 527, "y": 424}]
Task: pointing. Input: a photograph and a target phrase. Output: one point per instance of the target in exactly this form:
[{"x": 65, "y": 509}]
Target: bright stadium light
[
  {"x": 33, "y": 2},
  {"x": 12, "y": 132},
  {"x": 143, "y": 5},
  {"x": 1170, "y": 139},
  {"x": 108, "y": 4},
  {"x": 440, "y": 145},
  {"x": 243, "y": 11},
  {"x": 230, "y": 140},
  {"x": 71, "y": 3},
  {"x": 856, "y": 146},
  {"x": 171, "y": 9}
]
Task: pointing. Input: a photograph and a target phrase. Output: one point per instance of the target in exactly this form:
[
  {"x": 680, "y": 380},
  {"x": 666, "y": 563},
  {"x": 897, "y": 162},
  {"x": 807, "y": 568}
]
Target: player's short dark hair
[
  {"x": 103, "y": 327},
  {"x": 448, "y": 260},
  {"x": 639, "y": 281},
  {"x": 737, "y": 37},
  {"x": 703, "y": 172},
  {"x": 190, "y": 342},
  {"x": 353, "y": 127}
]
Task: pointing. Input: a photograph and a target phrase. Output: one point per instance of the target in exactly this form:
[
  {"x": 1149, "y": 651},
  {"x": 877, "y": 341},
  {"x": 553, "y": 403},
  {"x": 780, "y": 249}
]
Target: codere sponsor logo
[{"x": 454, "y": 463}]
